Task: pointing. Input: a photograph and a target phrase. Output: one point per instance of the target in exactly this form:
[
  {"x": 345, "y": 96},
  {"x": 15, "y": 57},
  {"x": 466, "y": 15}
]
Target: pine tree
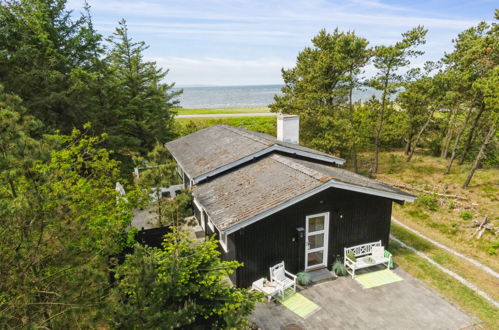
[
  {"x": 141, "y": 103},
  {"x": 49, "y": 60},
  {"x": 388, "y": 60},
  {"x": 320, "y": 88},
  {"x": 179, "y": 286}
]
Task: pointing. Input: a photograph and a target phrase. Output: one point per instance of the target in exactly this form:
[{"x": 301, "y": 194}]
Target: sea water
[{"x": 240, "y": 96}]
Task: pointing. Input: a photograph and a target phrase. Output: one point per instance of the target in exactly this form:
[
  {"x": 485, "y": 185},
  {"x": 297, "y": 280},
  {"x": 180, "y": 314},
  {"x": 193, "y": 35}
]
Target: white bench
[{"x": 365, "y": 256}]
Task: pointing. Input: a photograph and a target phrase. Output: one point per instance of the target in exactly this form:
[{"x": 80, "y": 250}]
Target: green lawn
[
  {"x": 259, "y": 124},
  {"x": 222, "y": 111}
]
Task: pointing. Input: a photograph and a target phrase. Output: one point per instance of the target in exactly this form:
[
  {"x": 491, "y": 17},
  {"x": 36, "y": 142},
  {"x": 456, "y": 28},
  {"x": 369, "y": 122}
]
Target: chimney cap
[{"x": 288, "y": 128}]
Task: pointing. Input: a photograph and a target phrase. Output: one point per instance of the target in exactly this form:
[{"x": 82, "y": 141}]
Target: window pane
[
  {"x": 315, "y": 258},
  {"x": 315, "y": 224},
  {"x": 316, "y": 241}
]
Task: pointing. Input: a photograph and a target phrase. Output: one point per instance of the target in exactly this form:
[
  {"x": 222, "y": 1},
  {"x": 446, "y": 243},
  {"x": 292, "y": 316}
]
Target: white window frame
[{"x": 325, "y": 247}]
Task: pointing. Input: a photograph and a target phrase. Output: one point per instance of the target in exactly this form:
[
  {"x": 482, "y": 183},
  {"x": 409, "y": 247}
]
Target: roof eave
[{"x": 330, "y": 184}]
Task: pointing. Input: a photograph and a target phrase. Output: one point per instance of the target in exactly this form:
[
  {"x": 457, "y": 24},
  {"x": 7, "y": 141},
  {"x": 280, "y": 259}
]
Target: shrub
[
  {"x": 339, "y": 268},
  {"x": 393, "y": 163},
  {"x": 429, "y": 201},
  {"x": 466, "y": 215},
  {"x": 303, "y": 278},
  {"x": 493, "y": 249}
]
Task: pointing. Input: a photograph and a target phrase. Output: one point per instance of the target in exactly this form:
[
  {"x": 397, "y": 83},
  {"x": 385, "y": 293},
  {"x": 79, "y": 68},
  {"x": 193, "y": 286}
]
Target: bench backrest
[
  {"x": 362, "y": 249},
  {"x": 277, "y": 272}
]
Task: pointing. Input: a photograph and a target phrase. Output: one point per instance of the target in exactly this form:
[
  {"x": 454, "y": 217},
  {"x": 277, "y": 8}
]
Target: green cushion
[{"x": 351, "y": 256}]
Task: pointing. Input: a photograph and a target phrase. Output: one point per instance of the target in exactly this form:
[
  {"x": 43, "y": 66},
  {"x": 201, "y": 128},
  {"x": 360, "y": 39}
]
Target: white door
[{"x": 316, "y": 240}]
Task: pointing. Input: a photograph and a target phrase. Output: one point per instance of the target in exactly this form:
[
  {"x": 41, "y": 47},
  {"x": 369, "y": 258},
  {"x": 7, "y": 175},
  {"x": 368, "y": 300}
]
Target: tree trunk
[
  {"x": 420, "y": 133},
  {"x": 408, "y": 146},
  {"x": 12, "y": 186},
  {"x": 456, "y": 142},
  {"x": 480, "y": 155},
  {"x": 380, "y": 126},
  {"x": 469, "y": 141},
  {"x": 354, "y": 147},
  {"x": 448, "y": 136}
]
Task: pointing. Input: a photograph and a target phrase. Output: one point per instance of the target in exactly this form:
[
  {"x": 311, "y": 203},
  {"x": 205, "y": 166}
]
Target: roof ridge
[
  {"x": 270, "y": 140},
  {"x": 246, "y": 134},
  {"x": 299, "y": 167}
]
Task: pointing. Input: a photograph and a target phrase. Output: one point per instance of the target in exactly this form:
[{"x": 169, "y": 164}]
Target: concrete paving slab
[{"x": 408, "y": 304}]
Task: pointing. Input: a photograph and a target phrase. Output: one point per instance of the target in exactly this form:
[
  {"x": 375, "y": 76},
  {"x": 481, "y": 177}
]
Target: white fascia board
[
  {"x": 329, "y": 184},
  {"x": 371, "y": 191},
  {"x": 178, "y": 164},
  {"x": 328, "y": 159},
  {"x": 265, "y": 151},
  {"x": 183, "y": 171}
]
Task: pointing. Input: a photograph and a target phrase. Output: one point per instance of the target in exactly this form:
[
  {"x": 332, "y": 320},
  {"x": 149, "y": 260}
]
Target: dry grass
[
  {"x": 483, "y": 280},
  {"x": 443, "y": 219}
]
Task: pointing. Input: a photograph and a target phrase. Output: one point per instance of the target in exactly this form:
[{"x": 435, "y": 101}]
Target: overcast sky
[{"x": 247, "y": 42}]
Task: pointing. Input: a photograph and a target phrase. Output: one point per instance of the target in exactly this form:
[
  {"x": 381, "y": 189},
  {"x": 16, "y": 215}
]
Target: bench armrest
[
  {"x": 349, "y": 261},
  {"x": 293, "y": 276}
]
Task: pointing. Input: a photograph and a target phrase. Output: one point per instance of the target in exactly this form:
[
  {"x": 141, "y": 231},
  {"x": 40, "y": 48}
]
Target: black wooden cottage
[{"x": 268, "y": 200}]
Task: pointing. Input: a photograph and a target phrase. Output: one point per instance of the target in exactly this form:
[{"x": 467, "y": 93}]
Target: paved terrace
[{"x": 344, "y": 304}]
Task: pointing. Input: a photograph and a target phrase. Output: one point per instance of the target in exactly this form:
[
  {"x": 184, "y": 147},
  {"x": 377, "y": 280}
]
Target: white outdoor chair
[{"x": 284, "y": 279}]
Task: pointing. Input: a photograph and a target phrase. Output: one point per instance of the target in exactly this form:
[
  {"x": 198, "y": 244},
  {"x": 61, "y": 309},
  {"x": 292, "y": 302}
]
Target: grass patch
[
  {"x": 446, "y": 285},
  {"x": 481, "y": 279},
  {"x": 466, "y": 215},
  {"x": 258, "y": 124},
  {"x": 417, "y": 213},
  {"x": 429, "y": 201},
  {"x": 182, "y": 111},
  {"x": 444, "y": 219}
]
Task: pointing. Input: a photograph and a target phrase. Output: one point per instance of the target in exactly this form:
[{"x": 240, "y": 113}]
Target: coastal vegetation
[
  {"x": 266, "y": 125},
  {"x": 450, "y": 106},
  {"x": 78, "y": 112}
]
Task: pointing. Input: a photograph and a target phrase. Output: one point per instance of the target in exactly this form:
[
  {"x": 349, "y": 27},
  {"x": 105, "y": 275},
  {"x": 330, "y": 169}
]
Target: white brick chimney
[{"x": 288, "y": 128}]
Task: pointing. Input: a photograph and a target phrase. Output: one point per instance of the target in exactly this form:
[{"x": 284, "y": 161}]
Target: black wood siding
[{"x": 365, "y": 219}]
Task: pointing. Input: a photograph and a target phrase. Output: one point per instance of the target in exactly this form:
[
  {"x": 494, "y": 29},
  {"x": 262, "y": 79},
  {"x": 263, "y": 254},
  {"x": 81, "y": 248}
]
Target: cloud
[{"x": 242, "y": 41}]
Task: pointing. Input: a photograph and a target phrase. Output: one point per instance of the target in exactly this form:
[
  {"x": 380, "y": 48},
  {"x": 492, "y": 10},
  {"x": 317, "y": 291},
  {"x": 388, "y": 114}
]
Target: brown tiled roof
[
  {"x": 216, "y": 146},
  {"x": 261, "y": 185}
]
